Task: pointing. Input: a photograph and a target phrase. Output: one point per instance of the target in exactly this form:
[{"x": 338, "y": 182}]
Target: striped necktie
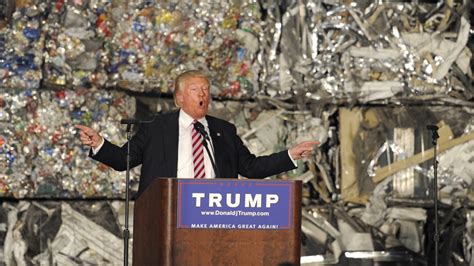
[{"x": 198, "y": 154}]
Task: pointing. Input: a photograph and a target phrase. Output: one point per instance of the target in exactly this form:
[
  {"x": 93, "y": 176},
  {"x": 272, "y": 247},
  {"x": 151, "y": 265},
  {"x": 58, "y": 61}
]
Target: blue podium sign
[{"x": 234, "y": 204}]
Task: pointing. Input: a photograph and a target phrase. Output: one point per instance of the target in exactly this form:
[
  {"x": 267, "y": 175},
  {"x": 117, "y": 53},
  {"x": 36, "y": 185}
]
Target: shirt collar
[{"x": 186, "y": 120}]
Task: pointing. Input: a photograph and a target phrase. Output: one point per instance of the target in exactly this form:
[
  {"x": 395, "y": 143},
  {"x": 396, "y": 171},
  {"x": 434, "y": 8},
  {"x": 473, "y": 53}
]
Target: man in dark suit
[{"x": 170, "y": 146}]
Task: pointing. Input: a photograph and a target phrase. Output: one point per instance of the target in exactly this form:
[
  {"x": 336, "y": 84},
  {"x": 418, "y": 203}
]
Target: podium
[{"x": 159, "y": 238}]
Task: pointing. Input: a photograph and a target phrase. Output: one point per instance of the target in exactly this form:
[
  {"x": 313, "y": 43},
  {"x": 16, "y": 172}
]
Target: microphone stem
[
  {"x": 213, "y": 157},
  {"x": 126, "y": 232},
  {"x": 204, "y": 142}
]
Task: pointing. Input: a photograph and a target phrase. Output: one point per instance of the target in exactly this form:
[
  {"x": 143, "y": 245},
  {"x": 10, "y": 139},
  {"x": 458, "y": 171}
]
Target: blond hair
[{"x": 178, "y": 83}]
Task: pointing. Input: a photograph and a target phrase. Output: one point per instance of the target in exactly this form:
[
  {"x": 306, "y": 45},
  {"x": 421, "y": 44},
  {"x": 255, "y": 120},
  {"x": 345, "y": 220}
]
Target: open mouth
[{"x": 201, "y": 103}]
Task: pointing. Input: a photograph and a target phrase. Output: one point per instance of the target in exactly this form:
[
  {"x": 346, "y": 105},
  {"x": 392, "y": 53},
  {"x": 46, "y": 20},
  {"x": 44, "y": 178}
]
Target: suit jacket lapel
[
  {"x": 170, "y": 143},
  {"x": 216, "y": 142}
]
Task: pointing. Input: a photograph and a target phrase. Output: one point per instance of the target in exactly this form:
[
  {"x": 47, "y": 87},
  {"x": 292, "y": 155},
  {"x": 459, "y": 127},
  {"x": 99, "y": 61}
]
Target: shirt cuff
[
  {"x": 97, "y": 149},
  {"x": 293, "y": 160}
]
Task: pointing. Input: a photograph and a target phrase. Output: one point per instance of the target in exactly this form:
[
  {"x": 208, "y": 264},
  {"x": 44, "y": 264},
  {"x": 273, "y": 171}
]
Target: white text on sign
[{"x": 234, "y": 200}]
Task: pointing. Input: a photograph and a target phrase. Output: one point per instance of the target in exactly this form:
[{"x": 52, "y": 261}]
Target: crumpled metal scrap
[
  {"x": 39, "y": 149},
  {"x": 359, "y": 52},
  {"x": 455, "y": 175},
  {"x": 367, "y": 51},
  {"x": 138, "y": 46},
  {"x": 150, "y": 43},
  {"x": 54, "y": 232},
  {"x": 75, "y": 54},
  {"x": 21, "y": 44}
]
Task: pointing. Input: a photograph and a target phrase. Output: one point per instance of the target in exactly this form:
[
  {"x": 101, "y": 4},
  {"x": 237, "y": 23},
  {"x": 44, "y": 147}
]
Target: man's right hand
[{"x": 89, "y": 136}]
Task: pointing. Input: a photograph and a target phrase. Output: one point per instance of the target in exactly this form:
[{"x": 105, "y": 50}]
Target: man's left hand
[{"x": 303, "y": 149}]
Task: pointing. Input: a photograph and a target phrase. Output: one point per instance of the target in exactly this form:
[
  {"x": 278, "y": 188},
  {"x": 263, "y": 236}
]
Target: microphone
[
  {"x": 434, "y": 132},
  {"x": 133, "y": 121},
  {"x": 130, "y": 121},
  {"x": 432, "y": 127},
  {"x": 202, "y": 131}
]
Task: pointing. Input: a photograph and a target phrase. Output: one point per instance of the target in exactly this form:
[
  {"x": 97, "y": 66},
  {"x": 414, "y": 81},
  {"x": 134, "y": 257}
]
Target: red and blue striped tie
[{"x": 198, "y": 154}]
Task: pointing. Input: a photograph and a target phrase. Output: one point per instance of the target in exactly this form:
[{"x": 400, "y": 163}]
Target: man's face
[{"x": 193, "y": 97}]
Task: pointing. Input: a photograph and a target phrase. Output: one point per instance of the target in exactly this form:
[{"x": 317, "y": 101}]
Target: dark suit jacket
[{"x": 155, "y": 146}]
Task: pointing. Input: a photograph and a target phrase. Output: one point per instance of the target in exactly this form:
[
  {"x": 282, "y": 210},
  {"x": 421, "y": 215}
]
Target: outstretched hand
[
  {"x": 303, "y": 149},
  {"x": 89, "y": 136}
]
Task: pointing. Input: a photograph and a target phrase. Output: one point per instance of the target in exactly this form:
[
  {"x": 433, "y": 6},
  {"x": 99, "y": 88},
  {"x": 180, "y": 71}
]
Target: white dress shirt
[{"x": 185, "y": 148}]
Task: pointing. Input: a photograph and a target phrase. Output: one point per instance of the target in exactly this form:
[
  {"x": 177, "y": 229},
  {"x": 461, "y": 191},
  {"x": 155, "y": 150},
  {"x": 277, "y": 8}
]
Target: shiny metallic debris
[{"x": 361, "y": 77}]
